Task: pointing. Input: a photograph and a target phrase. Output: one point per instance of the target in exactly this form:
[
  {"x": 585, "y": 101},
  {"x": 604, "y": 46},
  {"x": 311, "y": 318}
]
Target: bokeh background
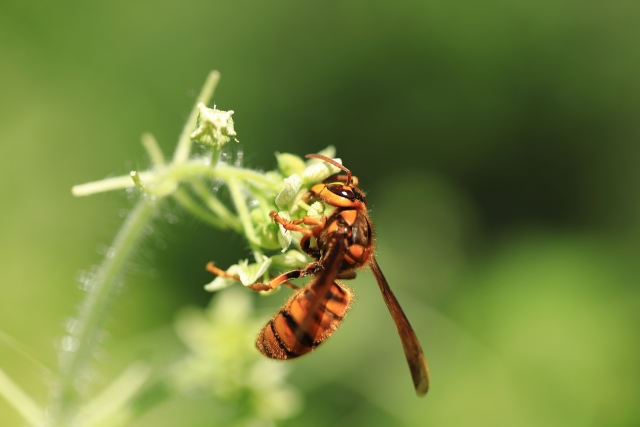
[{"x": 498, "y": 142}]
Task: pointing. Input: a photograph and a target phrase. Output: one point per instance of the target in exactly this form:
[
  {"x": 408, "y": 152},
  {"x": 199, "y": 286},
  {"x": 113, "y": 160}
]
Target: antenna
[{"x": 333, "y": 162}]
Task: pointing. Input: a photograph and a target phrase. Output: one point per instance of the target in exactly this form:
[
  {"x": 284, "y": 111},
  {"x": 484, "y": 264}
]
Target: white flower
[
  {"x": 316, "y": 211},
  {"x": 215, "y": 127},
  {"x": 288, "y": 193},
  {"x": 290, "y": 164},
  {"x": 247, "y": 273},
  {"x": 317, "y": 172}
]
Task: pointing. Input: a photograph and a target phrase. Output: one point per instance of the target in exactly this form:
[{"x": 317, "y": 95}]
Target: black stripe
[
  {"x": 283, "y": 347},
  {"x": 339, "y": 288},
  {"x": 305, "y": 339},
  {"x": 321, "y": 311},
  {"x": 308, "y": 294},
  {"x": 333, "y": 297},
  {"x": 293, "y": 274}
]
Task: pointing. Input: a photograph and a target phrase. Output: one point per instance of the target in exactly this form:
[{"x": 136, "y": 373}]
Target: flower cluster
[
  {"x": 295, "y": 177},
  {"x": 215, "y": 127}
]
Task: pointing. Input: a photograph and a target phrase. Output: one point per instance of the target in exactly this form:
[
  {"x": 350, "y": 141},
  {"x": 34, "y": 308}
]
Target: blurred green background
[{"x": 497, "y": 141}]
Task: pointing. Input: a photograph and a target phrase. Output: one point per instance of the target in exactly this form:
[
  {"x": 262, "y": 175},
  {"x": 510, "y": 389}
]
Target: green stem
[
  {"x": 22, "y": 350},
  {"x": 116, "y": 397},
  {"x": 153, "y": 149},
  {"x": 78, "y": 346},
  {"x": 20, "y": 401},
  {"x": 94, "y": 310},
  {"x": 179, "y": 172},
  {"x": 202, "y": 214},
  {"x": 195, "y": 169},
  {"x": 246, "y": 174},
  {"x": 216, "y": 205},
  {"x": 108, "y": 184},
  {"x": 183, "y": 150},
  {"x": 235, "y": 189}
]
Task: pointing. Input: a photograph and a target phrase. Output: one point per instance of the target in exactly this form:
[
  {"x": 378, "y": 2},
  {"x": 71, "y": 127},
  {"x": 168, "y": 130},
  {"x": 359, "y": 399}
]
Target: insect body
[
  {"x": 343, "y": 244},
  {"x": 288, "y": 334}
]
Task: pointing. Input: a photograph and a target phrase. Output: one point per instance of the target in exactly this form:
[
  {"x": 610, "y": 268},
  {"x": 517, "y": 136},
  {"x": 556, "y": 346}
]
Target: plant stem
[
  {"x": 179, "y": 172},
  {"x": 216, "y": 205},
  {"x": 25, "y": 352},
  {"x": 117, "y": 395},
  {"x": 108, "y": 184},
  {"x": 77, "y": 350},
  {"x": 235, "y": 189},
  {"x": 95, "y": 308},
  {"x": 20, "y": 401},
  {"x": 153, "y": 149},
  {"x": 202, "y": 214}
]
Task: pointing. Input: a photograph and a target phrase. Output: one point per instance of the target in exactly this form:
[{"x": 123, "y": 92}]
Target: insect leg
[
  {"x": 305, "y": 245},
  {"x": 294, "y": 225},
  {"x": 284, "y": 278},
  {"x": 346, "y": 275},
  {"x": 307, "y": 220},
  {"x": 211, "y": 268}
]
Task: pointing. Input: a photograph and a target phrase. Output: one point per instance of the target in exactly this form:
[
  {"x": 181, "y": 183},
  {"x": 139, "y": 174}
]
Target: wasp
[{"x": 343, "y": 243}]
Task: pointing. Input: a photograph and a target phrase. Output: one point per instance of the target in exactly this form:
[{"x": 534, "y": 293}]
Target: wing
[
  {"x": 412, "y": 350},
  {"x": 312, "y": 314},
  {"x": 313, "y": 324}
]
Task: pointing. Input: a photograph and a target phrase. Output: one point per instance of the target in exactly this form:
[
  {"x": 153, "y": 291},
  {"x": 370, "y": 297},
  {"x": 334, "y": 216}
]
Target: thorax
[{"x": 357, "y": 231}]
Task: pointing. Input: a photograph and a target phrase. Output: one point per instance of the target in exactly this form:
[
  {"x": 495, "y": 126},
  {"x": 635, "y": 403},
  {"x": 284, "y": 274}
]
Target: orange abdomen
[{"x": 294, "y": 331}]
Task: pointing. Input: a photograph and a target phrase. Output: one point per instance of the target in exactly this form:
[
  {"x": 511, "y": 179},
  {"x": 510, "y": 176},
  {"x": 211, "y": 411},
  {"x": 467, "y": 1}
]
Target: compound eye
[{"x": 341, "y": 191}]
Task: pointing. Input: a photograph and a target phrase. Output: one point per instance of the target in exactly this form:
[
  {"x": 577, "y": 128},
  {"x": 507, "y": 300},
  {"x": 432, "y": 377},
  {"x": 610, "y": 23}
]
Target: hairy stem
[
  {"x": 20, "y": 401},
  {"x": 243, "y": 212},
  {"x": 107, "y": 184},
  {"x": 153, "y": 149},
  {"x": 95, "y": 307},
  {"x": 180, "y": 172},
  {"x": 216, "y": 206},
  {"x": 77, "y": 351},
  {"x": 199, "y": 212}
]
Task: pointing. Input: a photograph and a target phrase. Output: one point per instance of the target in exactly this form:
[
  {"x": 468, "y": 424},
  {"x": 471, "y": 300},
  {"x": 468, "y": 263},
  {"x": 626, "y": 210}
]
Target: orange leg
[
  {"x": 305, "y": 245},
  {"x": 282, "y": 279},
  {"x": 294, "y": 225},
  {"x": 211, "y": 268}
]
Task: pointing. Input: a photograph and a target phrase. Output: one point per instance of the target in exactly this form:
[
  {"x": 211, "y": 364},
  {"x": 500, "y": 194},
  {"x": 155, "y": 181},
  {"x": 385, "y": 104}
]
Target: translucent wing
[
  {"x": 321, "y": 287},
  {"x": 312, "y": 314},
  {"x": 412, "y": 350}
]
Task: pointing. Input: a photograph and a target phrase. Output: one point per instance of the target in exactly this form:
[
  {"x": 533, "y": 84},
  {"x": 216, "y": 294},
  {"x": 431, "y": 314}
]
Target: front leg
[
  {"x": 294, "y": 225},
  {"x": 307, "y": 233}
]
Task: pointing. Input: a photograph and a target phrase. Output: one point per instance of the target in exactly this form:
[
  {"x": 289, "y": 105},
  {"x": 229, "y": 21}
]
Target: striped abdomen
[{"x": 283, "y": 336}]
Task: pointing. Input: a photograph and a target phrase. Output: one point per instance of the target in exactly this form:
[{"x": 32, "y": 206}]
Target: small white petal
[
  {"x": 290, "y": 163},
  {"x": 250, "y": 273},
  {"x": 291, "y": 259},
  {"x": 222, "y": 282},
  {"x": 316, "y": 211},
  {"x": 330, "y": 152},
  {"x": 319, "y": 171},
  {"x": 291, "y": 187}
]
